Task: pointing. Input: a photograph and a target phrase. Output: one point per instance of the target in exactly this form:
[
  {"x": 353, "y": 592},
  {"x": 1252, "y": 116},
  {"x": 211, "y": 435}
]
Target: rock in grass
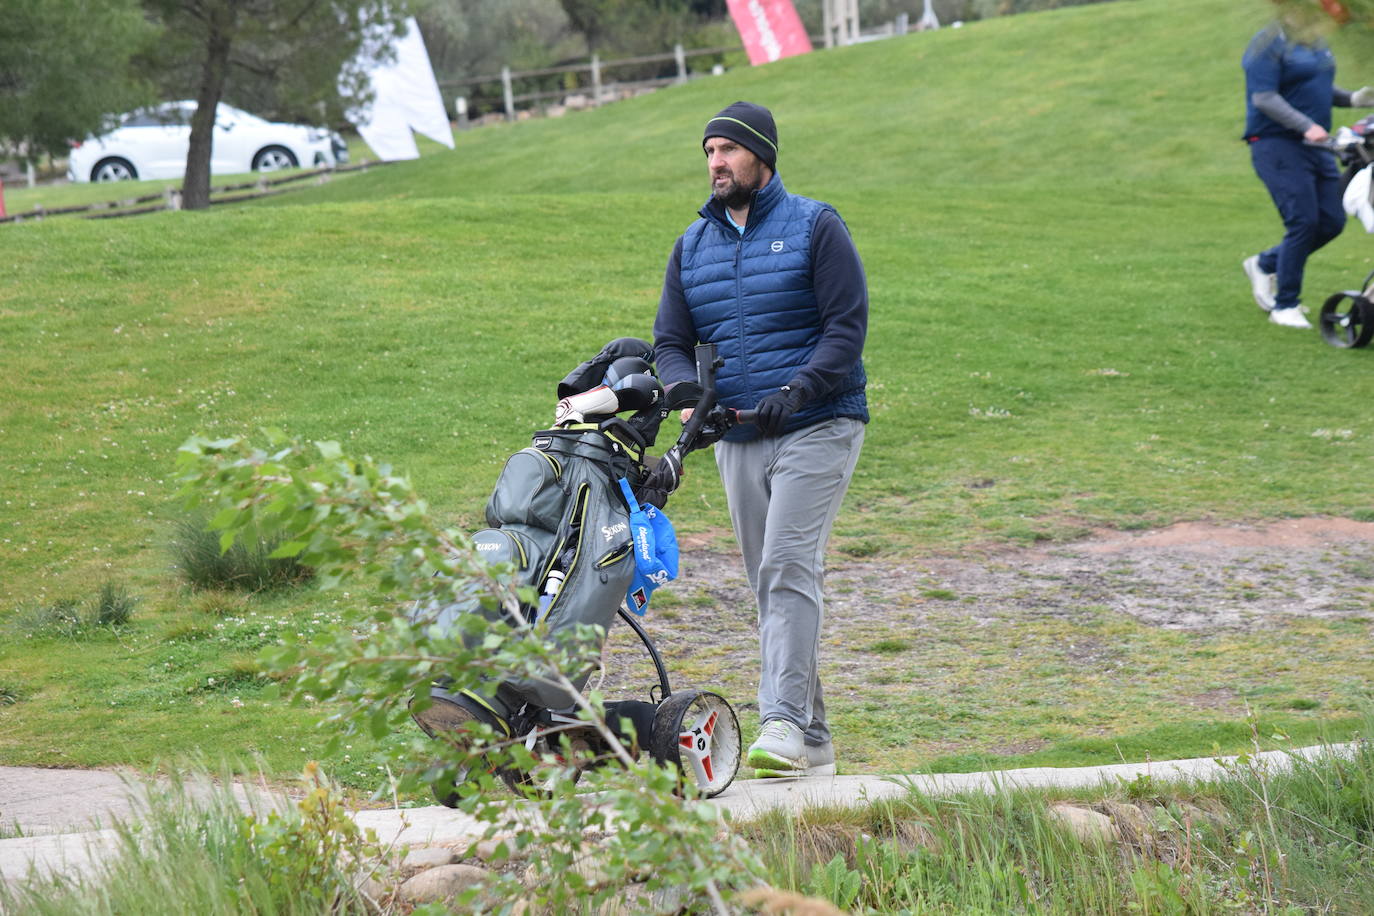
[
  {"x": 1132, "y": 825},
  {"x": 486, "y": 849},
  {"x": 441, "y": 884},
  {"x": 1084, "y": 823},
  {"x": 428, "y": 857}
]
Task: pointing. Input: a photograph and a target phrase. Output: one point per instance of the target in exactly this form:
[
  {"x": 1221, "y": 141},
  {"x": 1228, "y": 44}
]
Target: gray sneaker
[{"x": 781, "y": 750}]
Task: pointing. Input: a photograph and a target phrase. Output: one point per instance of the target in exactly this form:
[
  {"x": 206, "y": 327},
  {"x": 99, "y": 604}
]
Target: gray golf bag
[
  {"x": 561, "y": 518},
  {"x": 557, "y": 516}
]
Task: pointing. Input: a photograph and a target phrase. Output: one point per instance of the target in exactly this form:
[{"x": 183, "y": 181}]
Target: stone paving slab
[
  {"x": 41, "y": 801},
  {"x": 64, "y": 812},
  {"x": 56, "y": 853}
]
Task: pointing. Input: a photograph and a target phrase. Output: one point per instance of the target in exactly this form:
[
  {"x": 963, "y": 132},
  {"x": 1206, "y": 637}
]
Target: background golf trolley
[
  {"x": 559, "y": 516},
  {"x": 1347, "y": 317}
]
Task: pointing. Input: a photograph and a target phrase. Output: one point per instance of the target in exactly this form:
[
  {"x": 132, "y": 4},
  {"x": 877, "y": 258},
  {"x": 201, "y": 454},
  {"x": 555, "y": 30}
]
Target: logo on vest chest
[{"x": 776, "y": 246}]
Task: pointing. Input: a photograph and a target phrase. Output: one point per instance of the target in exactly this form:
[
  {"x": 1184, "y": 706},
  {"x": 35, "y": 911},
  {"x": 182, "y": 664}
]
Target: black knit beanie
[{"x": 749, "y": 125}]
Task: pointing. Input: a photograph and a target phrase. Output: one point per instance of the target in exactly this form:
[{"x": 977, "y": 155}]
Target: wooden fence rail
[
  {"x": 600, "y": 89},
  {"x": 596, "y": 68},
  {"x": 169, "y": 198}
]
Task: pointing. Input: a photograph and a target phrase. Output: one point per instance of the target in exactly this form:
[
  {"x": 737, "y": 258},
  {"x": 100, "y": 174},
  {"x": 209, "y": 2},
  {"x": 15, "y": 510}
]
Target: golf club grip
[{"x": 746, "y": 416}]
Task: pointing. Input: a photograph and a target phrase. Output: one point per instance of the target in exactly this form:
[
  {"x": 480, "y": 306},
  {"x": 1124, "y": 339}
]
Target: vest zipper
[{"x": 739, "y": 312}]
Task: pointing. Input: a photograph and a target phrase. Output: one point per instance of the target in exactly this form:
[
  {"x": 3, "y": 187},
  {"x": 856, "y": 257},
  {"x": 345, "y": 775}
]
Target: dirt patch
[
  {"x": 1203, "y": 537},
  {"x": 1192, "y": 577}
]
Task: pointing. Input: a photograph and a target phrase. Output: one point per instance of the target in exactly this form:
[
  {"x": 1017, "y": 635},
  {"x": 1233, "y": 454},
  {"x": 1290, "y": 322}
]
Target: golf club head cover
[
  {"x": 638, "y": 391},
  {"x": 618, "y": 371},
  {"x": 776, "y": 409},
  {"x": 680, "y": 395},
  {"x": 599, "y": 402},
  {"x": 593, "y": 371}
]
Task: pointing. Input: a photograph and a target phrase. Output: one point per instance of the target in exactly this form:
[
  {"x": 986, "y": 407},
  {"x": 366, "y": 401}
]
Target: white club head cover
[
  {"x": 597, "y": 402},
  {"x": 1357, "y": 200}
]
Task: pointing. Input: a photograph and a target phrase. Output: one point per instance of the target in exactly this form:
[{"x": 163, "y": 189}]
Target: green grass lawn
[{"x": 1051, "y": 208}]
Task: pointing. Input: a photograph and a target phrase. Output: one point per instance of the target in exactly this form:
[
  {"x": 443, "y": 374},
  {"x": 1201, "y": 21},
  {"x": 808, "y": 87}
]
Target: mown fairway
[{"x": 1052, "y": 210}]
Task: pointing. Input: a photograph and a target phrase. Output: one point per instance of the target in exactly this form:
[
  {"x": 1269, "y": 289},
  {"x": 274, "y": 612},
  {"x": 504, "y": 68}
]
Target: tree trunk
[{"x": 195, "y": 187}]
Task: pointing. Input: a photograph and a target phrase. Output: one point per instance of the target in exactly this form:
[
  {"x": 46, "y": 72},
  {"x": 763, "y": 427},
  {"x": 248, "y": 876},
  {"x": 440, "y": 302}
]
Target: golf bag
[
  {"x": 558, "y": 517},
  {"x": 577, "y": 517}
]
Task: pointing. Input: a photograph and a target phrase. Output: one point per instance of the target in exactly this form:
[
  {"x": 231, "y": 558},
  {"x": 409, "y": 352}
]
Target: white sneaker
[
  {"x": 1261, "y": 283},
  {"x": 1290, "y": 318}
]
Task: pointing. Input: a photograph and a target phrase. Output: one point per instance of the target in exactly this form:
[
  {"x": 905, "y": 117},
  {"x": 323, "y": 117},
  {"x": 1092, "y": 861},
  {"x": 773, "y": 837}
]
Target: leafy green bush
[
  {"x": 246, "y": 565},
  {"x": 352, "y": 520}
]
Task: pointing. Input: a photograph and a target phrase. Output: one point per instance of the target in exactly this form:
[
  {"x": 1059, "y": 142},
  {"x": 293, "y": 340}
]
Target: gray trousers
[{"x": 784, "y": 493}]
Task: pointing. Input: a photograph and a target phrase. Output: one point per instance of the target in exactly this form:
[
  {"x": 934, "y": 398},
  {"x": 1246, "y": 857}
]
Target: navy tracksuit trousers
[{"x": 1306, "y": 187}]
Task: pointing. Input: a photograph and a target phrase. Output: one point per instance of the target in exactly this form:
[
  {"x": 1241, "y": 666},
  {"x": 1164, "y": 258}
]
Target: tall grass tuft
[
  {"x": 191, "y": 852},
  {"x": 61, "y": 618},
  {"x": 111, "y": 607},
  {"x": 1309, "y": 829},
  {"x": 114, "y": 606},
  {"x": 1293, "y": 839},
  {"x": 247, "y": 566}
]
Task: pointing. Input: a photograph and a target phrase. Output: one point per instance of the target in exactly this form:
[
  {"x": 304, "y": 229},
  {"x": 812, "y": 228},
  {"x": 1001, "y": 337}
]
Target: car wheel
[
  {"x": 114, "y": 169},
  {"x": 272, "y": 158}
]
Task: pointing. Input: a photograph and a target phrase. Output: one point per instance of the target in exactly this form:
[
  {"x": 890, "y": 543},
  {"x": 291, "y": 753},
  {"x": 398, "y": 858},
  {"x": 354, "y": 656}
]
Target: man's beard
[
  {"x": 734, "y": 195},
  {"x": 739, "y": 189}
]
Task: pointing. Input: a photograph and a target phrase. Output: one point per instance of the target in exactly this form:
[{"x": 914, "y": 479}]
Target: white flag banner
[{"x": 405, "y": 98}]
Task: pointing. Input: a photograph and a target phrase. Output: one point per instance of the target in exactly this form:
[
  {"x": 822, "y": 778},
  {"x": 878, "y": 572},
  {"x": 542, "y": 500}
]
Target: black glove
[
  {"x": 773, "y": 412},
  {"x": 713, "y": 428},
  {"x": 665, "y": 474}
]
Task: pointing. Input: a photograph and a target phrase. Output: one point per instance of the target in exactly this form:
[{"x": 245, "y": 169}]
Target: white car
[{"x": 152, "y": 143}]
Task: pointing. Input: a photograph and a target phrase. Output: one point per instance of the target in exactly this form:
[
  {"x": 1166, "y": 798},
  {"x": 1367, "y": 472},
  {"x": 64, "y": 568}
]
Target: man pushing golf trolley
[
  {"x": 1347, "y": 317},
  {"x": 577, "y": 515}
]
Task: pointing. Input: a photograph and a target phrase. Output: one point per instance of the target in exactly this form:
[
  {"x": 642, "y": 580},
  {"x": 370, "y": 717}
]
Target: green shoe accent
[
  {"x": 760, "y": 773},
  {"x": 760, "y": 759}
]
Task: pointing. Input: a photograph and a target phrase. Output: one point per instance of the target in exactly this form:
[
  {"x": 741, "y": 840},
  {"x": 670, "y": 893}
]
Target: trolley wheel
[
  {"x": 446, "y": 793},
  {"x": 586, "y": 751},
  {"x": 1347, "y": 324},
  {"x": 446, "y": 718},
  {"x": 697, "y": 732}
]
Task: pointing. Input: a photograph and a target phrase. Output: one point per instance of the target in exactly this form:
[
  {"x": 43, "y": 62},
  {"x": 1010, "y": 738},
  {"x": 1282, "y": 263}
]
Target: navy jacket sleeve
[
  {"x": 842, "y": 299},
  {"x": 675, "y": 338}
]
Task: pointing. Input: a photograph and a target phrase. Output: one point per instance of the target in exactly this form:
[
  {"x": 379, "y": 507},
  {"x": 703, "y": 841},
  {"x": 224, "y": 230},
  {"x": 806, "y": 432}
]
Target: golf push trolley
[
  {"x": 566, "y": 515},
  {"x": 1347, "y": 317}
]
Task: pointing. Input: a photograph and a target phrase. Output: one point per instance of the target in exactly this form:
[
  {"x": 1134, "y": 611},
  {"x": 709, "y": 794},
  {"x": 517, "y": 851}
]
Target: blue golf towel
[{"x": 655, "y": 547}]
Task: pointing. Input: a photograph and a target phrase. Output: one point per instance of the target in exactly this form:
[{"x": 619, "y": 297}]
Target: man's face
[{"x": 735, "y": 172}]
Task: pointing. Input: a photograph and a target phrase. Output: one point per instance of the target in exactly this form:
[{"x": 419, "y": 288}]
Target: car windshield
[
  {"x": 179, "y": 114},
  {"x": 229, "y": 114},
  {"x": 161, "y": 116}
]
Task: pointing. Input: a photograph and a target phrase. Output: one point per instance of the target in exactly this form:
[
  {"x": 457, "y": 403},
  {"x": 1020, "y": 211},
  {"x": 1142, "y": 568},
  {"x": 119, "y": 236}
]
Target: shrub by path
[{"x": 63, "y": 810}]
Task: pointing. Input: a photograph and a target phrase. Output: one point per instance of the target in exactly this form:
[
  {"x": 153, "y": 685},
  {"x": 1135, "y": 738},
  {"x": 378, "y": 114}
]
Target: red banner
[
  {"x": 1337, "y": 10},
  {"x": 770, "y": 29}
]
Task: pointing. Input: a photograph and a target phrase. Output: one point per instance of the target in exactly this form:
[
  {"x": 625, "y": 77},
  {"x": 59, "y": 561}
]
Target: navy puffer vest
[{"x": 751, "y": 294}]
